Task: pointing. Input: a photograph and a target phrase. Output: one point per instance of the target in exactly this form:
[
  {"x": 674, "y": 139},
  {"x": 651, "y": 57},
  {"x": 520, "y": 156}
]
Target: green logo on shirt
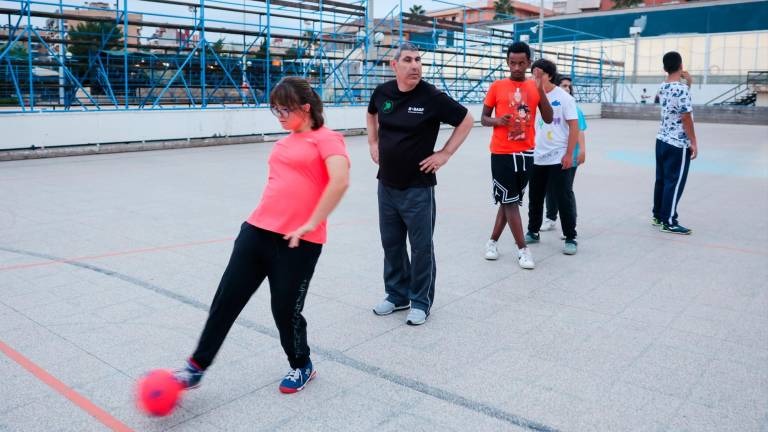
[{"x": 387, "y": 108}]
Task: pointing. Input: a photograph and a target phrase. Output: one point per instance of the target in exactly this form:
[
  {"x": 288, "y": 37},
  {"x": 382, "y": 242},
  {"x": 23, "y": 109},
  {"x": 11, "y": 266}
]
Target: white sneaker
[
  {"x": 491, "y": 251},
  {"x": 525, "y": 259},
  {"x": 416, "y": 317},
  {"x": 386, "y": 307},
  {"x": 548, "y": 225}
]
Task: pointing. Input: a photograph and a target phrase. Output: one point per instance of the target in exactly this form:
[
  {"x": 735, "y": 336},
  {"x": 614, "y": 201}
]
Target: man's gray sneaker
[
  {"x": 416, "y": 317},
  {"x": 386, "y": 307}
]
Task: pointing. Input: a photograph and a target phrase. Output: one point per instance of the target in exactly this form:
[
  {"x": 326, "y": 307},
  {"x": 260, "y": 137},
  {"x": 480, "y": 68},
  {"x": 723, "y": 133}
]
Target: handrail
[
  {"x": 757, "y": 77},
  {"x": 736, "y": 90}
]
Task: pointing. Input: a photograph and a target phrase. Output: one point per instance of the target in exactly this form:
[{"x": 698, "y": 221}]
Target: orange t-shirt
[
  {"x": 520, "y": 99},
  {"x": 297, "y": 178}
]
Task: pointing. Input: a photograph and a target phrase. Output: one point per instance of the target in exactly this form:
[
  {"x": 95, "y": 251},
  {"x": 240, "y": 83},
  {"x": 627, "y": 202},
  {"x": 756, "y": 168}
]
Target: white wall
[
  {"x": 592, "y": 110},
  {"x": 73, "y": 128},
  {"x": 52, "y": 129},
  {"x": 701, "y": 93}
]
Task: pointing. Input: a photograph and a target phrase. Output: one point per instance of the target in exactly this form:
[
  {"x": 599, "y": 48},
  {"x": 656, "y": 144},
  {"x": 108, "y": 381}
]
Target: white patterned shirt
[{"x": 675, "y": 101}]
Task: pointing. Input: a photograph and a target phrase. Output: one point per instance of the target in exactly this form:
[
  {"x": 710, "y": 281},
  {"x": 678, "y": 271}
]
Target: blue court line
[{"x": 718, "y": 162}]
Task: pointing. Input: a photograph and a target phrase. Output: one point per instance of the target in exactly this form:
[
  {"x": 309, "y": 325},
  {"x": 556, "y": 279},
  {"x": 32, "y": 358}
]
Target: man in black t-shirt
[{"x": 403, "y": 121}]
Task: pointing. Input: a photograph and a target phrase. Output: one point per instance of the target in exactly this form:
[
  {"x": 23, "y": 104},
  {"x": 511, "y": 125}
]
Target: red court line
[
  {"x": 669, "y": 238},
  {"x": 112, "y": 254},
  {"x": 143, "y": 250},
  {"x": 83, "y": 403}
]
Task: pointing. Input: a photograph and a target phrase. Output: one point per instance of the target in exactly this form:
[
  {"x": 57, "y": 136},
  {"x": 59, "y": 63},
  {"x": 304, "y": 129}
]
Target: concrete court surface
[{"x": 108, "y": 264}]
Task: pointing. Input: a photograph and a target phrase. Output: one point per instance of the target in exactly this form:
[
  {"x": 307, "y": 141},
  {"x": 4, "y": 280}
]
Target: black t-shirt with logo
[{"x": 408, "y": 127}]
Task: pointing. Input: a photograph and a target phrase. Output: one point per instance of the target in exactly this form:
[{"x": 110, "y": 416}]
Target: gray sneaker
[
  {"x": 416, "y": 317},
  {"x": 570, "y": 247},
  {"x": 531, "y": 237},
  {"x": 386, "y": 307}
]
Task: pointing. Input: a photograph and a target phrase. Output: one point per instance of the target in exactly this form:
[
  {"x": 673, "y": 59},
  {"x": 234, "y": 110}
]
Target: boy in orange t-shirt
[{"x": 515, "y": 101}]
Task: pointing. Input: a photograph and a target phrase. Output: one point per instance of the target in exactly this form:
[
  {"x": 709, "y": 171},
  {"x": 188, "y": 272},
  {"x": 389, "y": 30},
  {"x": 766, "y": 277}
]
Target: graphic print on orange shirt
[{"x": 521, "y": 115}]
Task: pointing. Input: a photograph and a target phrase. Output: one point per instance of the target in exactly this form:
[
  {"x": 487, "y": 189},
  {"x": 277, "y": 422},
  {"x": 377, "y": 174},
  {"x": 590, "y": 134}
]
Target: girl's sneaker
[
  {"x": 189, "y": 376},
  {"x": 296, "y": 379}
]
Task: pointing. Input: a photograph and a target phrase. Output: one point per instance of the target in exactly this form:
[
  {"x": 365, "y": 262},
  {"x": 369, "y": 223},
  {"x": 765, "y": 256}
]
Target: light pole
[
  {"x": 541, "y": 29},
  {"x": 637, "y": 27},
  {"x": 370, "y": 57},
  {"x": 62, "y": 54}
]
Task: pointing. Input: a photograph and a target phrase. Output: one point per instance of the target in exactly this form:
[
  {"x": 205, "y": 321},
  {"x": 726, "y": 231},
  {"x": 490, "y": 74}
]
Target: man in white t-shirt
[{"x": 552, "y": 160}]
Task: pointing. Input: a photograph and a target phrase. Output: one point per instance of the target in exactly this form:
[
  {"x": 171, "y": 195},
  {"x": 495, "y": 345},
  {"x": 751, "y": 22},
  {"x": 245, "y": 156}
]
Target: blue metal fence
[{"x": 57, "y": 55}]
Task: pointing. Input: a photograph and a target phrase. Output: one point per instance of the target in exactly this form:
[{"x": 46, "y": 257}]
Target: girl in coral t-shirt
[{"x": 283, "y": 237}]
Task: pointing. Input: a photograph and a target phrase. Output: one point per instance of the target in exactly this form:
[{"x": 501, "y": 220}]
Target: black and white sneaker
[{"x": 675, "y": 229}]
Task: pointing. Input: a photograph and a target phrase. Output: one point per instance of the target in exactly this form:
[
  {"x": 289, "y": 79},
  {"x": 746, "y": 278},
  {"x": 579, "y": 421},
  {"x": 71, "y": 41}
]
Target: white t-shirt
[{"x": 552, "y": 139}]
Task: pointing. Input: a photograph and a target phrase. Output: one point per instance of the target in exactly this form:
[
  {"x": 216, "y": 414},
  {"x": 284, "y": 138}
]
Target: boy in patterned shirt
[{"x": 675, "y": 145}]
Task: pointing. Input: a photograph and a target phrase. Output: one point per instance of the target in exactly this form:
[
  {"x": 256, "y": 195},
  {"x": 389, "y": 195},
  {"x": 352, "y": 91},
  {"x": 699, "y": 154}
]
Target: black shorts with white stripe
[{"x": 510, "y": 176}]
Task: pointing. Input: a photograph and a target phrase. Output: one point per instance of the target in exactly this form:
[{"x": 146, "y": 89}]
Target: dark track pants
[
  {"x": 260, "y": 254},
  {"x": 671, "y": 173},
  {"x": 541, "y": 177}
]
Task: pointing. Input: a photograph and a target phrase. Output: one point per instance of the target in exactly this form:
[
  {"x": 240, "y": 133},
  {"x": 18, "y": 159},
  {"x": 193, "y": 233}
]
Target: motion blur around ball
[{"x": 158, "y": 392}]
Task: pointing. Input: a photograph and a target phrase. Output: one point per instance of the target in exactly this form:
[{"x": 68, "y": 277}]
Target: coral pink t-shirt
[{"x": 297, "y": 178}]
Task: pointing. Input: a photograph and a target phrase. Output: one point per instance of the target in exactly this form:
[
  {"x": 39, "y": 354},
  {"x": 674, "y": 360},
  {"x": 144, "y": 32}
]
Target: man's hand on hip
[{"x": 434, "y": 162}]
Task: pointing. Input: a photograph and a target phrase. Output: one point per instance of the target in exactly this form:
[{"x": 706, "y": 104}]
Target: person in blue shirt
[{"x": 579, "y": 154}]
